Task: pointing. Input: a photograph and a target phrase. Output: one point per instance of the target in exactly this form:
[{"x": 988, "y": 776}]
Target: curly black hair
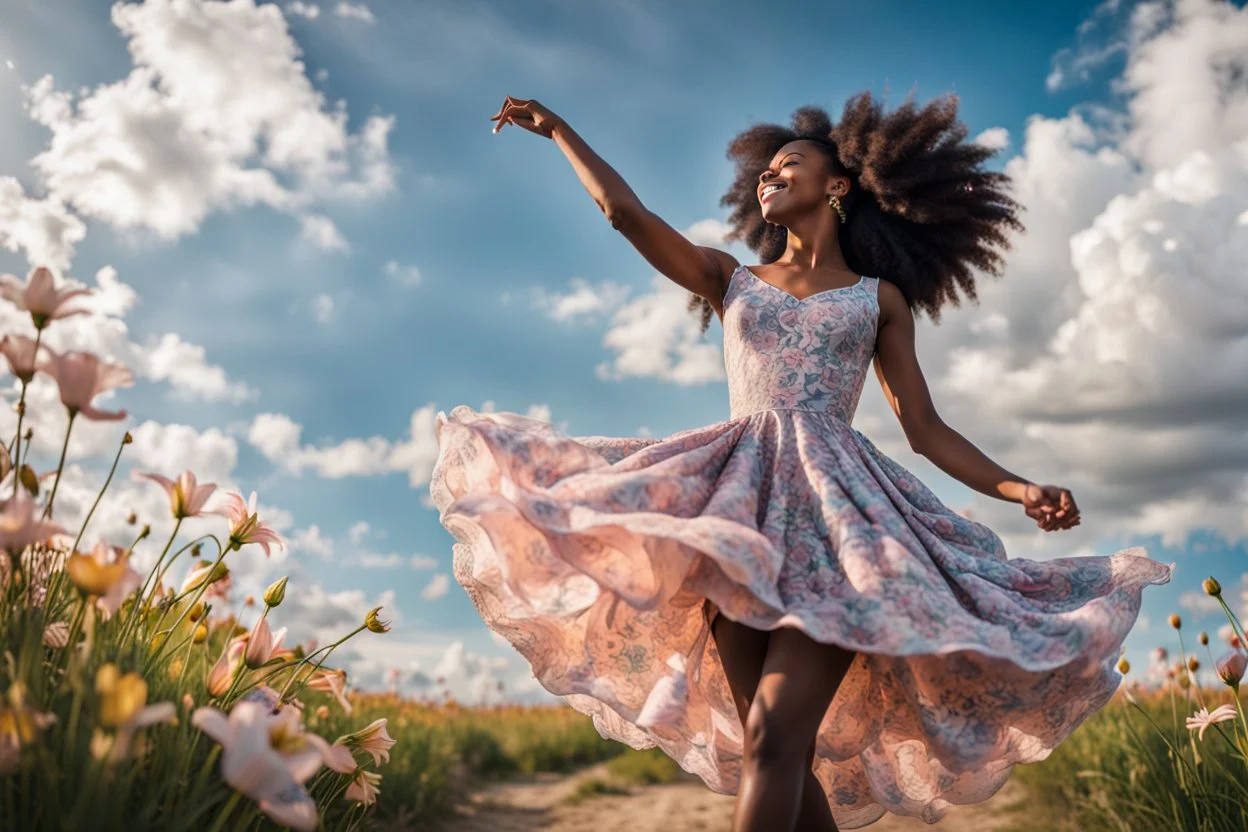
[{"x": 921, "y": 213}]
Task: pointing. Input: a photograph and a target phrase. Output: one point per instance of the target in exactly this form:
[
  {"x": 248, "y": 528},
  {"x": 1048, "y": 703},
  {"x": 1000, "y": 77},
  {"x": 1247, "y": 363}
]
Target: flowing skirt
[{"x": 602, "y": 561}]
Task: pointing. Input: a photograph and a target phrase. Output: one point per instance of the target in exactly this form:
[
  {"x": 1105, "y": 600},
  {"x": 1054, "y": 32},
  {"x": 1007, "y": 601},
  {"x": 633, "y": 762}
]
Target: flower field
[{"x": 138, "y": 701}]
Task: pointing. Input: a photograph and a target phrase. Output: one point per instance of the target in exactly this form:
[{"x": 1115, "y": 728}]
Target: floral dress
[{"x": 602, "y": 560}]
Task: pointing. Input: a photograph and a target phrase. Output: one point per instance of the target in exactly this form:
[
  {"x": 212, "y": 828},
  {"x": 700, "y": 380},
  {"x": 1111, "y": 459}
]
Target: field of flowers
[{"x": 132, "y": 701}]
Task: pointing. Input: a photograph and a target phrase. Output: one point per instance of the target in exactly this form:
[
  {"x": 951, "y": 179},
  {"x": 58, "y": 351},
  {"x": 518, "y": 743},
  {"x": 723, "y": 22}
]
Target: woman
[{"x": 871, "y": 650}]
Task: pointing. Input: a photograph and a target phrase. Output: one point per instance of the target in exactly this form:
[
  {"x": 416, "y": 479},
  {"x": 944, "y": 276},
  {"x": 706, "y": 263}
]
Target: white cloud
[
  {"x": 358, "y": 532},
  {"x": 1109, "y": 356},
  {"x": 311, "y": 540},
  {"x": 994, "y": 138},
  {"x": 376, "y": 561},
  {"x": 194, "y": 128},
  {"x": 422, "y": 562},
  {"x": 323, "y": 308},
  {"x": 437, "y": 587},
  {"x": 583, "y": 303},
  {"x": 277, "y": 437},
  {"x": 708, "y": 232},
  {"x": 320, "y": 232},
  {"x": 309, "y": 10},
  {"x": 405, "y": 275},
  {"x": 656, "y": 336},
  {"x": 355, "y": 11},
  {"x": 42, "y": 228}
]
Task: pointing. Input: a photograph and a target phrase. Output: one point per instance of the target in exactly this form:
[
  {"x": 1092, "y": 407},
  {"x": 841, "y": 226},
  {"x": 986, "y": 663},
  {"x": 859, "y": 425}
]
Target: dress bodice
[{"x": 808, "y": 353}]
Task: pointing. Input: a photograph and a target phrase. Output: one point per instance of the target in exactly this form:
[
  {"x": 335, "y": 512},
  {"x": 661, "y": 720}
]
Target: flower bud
[
  {"x": 29, "y": 480},
  {"x": 201, "y": 633},
  {"x": 322, "y": 712},
  {"x": 249, "y": 601},
  {"x": 1185, "y": 681},
  {"x": 1175, "y": 621},
  {"x": 147, "y": 529},
  {"x": 1193, "y": 664},
  {"x": 1203, "y": 638},
  {"x": 275, "y": 593},
  {"x": 197, "y": 611},
  {"x": 196, "y": 549},
  {"x": 1212, "y": 587},
  {"x": 1123, "y": 665},
  {"x": 374, "y": 623},
  {"x": 1230, "y": 668},
  {"x": 132, "y": 518},
  {"x": 127, "y": 439}
]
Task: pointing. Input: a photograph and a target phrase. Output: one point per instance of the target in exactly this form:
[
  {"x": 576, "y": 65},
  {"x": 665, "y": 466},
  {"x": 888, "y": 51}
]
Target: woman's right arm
[{"x": 700, "y": 269}]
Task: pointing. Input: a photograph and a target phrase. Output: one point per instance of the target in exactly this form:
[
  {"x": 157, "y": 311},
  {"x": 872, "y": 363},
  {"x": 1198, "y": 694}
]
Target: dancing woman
[{"x": 777, "y": 605}]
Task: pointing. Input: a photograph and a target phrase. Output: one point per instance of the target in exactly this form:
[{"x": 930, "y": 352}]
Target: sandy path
[{"x": 537, "y": 803}]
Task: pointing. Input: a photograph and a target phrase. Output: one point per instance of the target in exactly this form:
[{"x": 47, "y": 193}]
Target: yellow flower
[
  {"x": 374, "y": 623},
  {"x": 1212, "y": 587}
]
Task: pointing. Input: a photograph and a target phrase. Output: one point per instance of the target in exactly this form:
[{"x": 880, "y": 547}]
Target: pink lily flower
[
  {"x": 21, "y": 354},
  {"x": 1203, "y": 719},
  {"x": 81, "y": 376},
  {"x": 267, "y": 757},
  {"x": 40, "y": 297},
  {"x": 186, "y": 497},
  {"x": 245, "y": 526},
  {"x": 19, "y": 528},
  {"x": 262, "y": 644},
  {"x": 373, "y": 739},
  {"x": 332, "y": 681},
  {"x": 1231, "y": 668},
  {"x": 363, "y": 788},
  {"x": 222, "y": 674}
]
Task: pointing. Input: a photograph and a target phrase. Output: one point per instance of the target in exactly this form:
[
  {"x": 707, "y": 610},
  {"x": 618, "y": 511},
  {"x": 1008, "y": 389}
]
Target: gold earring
[{"x": 835, "y": 202}]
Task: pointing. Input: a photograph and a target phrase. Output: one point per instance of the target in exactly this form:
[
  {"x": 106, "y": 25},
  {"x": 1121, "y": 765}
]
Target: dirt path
[{"x": 540, "y": 803}]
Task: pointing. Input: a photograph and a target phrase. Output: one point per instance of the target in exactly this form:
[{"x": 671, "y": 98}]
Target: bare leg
[
  {"x": 799, "y": 678},
  {"x": 742, "y": 651}
]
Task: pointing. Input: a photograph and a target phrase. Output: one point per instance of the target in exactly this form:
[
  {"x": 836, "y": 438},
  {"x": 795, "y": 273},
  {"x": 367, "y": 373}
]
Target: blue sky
[{"x": 330, "y": 337}]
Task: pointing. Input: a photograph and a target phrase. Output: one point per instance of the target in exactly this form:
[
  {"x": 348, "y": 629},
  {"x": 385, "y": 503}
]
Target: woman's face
[{"x": 801, "y": 172}]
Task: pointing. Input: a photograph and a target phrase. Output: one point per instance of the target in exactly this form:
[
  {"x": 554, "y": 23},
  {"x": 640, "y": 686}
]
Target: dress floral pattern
[{"x": 602, "y": 560}]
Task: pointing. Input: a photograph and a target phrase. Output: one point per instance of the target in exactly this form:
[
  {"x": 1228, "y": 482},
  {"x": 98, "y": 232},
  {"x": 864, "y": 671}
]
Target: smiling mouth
[{"x": 770, "y": 191}]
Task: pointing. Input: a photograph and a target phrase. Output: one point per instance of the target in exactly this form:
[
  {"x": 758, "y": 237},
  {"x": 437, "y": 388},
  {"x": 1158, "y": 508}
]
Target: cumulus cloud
[
  {"x": 355, "y": 11},
  {"x": 437, "y": 587},
  {"x": 194, "y": 129},
  {"x": 309, "y": 10},
  {"x": 583, "y": 304},
  {"x": 1110, "y": 356},
  {"x": 278, "y": 438},
  {"x": 994, "y": 138},
  {"x": 44, "y": 229},
  {"x": 321, "y": 233},
  {"x": 405, "y": 275}
]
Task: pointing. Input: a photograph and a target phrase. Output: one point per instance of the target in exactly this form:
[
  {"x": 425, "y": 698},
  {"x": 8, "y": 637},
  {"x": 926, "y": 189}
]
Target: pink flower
[
  {"x": 245, "y": 525},
  {"x": 81, "y": 376},
  {"x": 1203, "y": 719},
  {"x": 18, "y": 526},
  {"x": 363, "y": 788},
  {"x": 186, "y": 498},
  {"x": 105, "y": 573},
  {"x": 267, "y": 757},
  {"x": 340, "y": 759},
  {"x": 373, "y": 739},
  {"x": 1231, "y": 668},
  {"x": 332, "y": 681},
  {"x": 21, "y": 354},
  {"x": 262, "y": 644},
  {"x": 222, "y": 674},
  {"x": 40, "y": 297}
]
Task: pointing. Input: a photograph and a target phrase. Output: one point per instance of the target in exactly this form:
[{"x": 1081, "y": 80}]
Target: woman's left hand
[{"x": 1051, "y": 506}]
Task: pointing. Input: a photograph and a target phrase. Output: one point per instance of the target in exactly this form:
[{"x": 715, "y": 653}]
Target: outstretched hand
[
  {"x": 526, "y": 113},
  {"x": 1051, "y": 506}
]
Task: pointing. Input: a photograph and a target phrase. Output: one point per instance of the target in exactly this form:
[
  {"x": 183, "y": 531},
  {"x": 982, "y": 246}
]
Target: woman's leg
[
  {"x": 799, "y": 678},
  {"x": 742, "y": 651}
]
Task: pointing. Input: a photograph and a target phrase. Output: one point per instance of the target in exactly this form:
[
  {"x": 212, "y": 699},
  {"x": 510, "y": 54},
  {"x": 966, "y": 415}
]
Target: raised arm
[{"x": 700, "y": 269}]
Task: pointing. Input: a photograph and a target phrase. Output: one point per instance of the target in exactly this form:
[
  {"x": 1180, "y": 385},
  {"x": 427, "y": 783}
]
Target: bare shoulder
[{"x": 893, "y": 305}]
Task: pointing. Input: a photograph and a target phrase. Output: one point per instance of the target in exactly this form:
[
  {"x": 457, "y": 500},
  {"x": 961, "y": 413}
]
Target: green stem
[
  {"x": 107, "y": 480},
  {"x": 156, "y": 572},
  {"x": 47, "y": 510},
  {"x": 203, "y": 586},
  {"x": 226, "y": 812}
]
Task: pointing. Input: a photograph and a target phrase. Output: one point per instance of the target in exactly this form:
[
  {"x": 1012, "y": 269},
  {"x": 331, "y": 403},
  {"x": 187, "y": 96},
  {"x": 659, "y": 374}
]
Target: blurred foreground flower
[
  {"x": 262, "y": 644},
  {"x": 123, "y": 707},
  {"x": 1231, "y": 668},
  {"x": 267, "y": 757},
  {"x": 81, "y": 376},
  {"x": 105, "y": 574},
  {"x": 21, "y": 354},
  {"x": 363, "y": 788},
  {"x": 1203, "y": 718},
  {"x": 223, "y": 672},
  {"x": 19, "y": 528},
  {"x": 333, "y": 682},
  {"x": 40, "y": 297},
  {"x": 19, "y": 725}
]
